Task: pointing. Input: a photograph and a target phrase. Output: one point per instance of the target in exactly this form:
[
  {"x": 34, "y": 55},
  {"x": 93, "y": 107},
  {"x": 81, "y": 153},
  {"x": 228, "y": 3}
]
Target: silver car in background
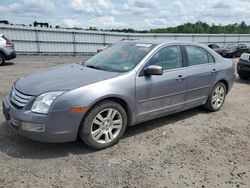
[
  {"x": 126, "y": 84},
  {"x": 7, "y": 50}
]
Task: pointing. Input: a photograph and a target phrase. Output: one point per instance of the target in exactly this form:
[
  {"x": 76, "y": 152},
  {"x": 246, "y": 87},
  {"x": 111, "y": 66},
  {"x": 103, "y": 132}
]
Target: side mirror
[{"x": 153, "y": 70}]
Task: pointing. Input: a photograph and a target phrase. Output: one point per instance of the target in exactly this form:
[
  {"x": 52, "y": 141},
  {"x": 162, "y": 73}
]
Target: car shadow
[
  {"x": 8, "y": 64},
  {"x": 240, "y": 81},
  {"x": 163, "y": 121},
  {"x": 17, "y": 146}
]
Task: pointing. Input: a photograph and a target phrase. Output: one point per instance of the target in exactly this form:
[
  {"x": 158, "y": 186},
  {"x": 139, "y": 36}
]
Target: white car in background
[{"x": 7, "y": 50}]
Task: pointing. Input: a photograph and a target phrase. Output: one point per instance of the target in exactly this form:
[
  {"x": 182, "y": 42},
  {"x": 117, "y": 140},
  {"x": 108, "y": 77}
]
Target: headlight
[{"x": 44, "y": 101}]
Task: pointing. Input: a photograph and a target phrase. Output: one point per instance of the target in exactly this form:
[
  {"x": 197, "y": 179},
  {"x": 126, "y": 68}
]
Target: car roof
[
  {"x": 175, "y": 42},
  {"x": 159, "y": 42},
  {"x": 156, "y": 43}
]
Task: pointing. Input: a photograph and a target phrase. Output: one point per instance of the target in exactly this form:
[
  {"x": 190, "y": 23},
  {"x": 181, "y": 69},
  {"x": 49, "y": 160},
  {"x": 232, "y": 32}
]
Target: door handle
[
  {"x": 180, "y": 78},
  {"x": 214, "y": 71}
]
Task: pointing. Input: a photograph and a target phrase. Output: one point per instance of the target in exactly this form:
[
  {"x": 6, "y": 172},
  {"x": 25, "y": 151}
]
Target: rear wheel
[
  {"x": 104, "y": 125},
  {"x": 216, "y": 98},
  {"x": 2, "y": 59}
]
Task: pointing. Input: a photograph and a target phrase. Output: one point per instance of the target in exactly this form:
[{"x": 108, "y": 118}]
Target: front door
[{"x": 160, "y": 94}]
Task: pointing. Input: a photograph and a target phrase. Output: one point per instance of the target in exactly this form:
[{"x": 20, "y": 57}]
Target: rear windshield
[
  {"x": 5, "y": 38},
  {"x": 230, "y": 46}
]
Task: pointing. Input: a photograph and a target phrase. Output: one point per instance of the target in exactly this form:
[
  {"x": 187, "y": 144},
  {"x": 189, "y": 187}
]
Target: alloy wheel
[
  {"x": 218, "y": 96},
  {"x": 106, "y": 125}
]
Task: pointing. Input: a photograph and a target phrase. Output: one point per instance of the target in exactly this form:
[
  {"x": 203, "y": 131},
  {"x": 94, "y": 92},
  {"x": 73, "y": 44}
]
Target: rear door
[
  {"x": 160, "y": 94},
  {"x": 201, "y": 75}
]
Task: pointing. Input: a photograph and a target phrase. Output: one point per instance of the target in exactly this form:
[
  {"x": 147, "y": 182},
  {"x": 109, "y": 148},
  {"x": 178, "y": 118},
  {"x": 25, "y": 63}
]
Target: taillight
[{"x": 9, "y": 43}]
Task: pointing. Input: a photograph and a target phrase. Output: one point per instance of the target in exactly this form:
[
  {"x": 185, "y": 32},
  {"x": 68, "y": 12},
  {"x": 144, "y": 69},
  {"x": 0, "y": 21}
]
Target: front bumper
[{"x": 57, "y": 126}]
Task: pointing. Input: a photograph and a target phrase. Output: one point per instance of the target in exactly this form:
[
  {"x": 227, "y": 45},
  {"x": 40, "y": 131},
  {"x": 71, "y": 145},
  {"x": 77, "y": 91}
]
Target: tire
[
  {"x": 216, "y": 98},
  {"x": 96, "y": 132},
  {"x": 2, "y": 59}
]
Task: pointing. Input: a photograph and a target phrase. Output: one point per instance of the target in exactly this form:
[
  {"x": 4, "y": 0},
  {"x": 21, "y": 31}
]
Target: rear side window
[
  {"x": 5, "y": 38},
  {"x": 198, "y": 56},
  {"x": 169, "y": 57}
]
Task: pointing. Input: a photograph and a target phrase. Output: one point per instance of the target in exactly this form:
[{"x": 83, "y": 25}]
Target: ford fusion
[{"x": 126, "y": 84}]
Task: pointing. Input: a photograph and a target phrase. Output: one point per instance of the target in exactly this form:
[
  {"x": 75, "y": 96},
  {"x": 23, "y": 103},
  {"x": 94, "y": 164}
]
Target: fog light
[{"x": 33, "y": 127}]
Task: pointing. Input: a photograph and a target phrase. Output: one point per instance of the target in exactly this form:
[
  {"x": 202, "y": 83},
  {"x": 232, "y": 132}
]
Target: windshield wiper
[
  {"x": 101, "y": 68},
  {"x": 94, "y": 67}
]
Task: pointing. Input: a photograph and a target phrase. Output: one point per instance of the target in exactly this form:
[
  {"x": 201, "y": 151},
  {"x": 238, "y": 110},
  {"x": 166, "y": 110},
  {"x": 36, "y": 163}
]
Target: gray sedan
[{"x": 126, "y": 84}]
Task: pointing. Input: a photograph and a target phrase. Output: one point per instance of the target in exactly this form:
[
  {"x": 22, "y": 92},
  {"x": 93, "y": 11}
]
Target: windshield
[
  {"x": 230, "y": 46},
  {"x": 121, "y": 57},
  {"x": 214, "y": 46}
]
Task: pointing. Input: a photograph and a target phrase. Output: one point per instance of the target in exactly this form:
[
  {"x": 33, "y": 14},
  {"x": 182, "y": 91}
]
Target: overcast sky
[{"x": 137, "y": 14}]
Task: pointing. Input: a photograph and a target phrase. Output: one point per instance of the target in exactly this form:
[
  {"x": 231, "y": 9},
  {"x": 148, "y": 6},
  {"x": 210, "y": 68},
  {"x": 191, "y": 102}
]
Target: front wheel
[
  {"x": 104, "y": 125},
  {"x": 216, "y": 98}
]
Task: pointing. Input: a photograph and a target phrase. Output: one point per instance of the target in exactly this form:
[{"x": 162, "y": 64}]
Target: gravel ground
[{"x": 194, "y": 148}]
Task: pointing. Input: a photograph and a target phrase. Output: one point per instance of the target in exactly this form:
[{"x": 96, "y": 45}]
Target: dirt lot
[{"x": 189, "y": 149}]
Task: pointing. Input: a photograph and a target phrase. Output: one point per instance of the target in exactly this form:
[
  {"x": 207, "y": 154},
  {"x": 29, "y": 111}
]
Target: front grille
[{"x": 19, "y": 99}]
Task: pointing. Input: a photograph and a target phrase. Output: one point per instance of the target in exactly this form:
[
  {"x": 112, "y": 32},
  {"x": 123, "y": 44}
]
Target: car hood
[{"x": 63, "y": 78}]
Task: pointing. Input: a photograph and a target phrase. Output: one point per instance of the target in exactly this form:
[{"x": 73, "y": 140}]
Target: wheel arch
[
  {"x": 120, "y": 101},
  {"x": 225, "y": 83}
]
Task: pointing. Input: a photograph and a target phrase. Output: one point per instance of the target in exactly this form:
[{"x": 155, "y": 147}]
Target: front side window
[
  {"x": 168, "y": 57},
  {"x": 197, "y": 56},
  {"x": 121, "y": 57}
]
